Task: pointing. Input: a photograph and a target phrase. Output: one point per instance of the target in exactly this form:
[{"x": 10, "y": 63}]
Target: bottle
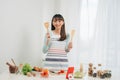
[
  {"x": 81, "y": 68},
  {"x": 94, "y": 72},
  {"x": 99, "y": 71}
]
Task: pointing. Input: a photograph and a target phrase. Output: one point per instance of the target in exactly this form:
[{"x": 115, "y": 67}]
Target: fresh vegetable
[
  {"x": 26, "y": 68},
  {"x": 78, "y": 74},
  {"x": 37, "y": 69},
  {"x": 45, "y": 73},
  {"x": 61, "y": 72}
]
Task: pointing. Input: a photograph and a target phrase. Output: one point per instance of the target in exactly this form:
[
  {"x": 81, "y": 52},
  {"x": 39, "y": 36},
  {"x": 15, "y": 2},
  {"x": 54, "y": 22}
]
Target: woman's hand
[
  {"x": 70, "y": 46},
  {"x": 47, "y": 35},
  {"x": 48, "y": 38}
]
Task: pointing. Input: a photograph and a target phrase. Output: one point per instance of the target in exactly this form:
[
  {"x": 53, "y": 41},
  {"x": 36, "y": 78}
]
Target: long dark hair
[{"x": 62, "y": 32}]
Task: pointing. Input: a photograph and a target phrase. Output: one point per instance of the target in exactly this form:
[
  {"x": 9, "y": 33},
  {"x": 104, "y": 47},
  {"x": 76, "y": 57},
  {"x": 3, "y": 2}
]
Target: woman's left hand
[{"x": 70, "y": 46}]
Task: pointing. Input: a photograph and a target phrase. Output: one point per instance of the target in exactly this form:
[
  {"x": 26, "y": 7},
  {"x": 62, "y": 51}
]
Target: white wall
[{"x": 22, "y": 30}]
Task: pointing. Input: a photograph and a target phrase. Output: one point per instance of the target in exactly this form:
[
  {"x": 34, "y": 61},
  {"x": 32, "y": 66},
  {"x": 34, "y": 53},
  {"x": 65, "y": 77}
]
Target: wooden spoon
[
  {"x": 13, "y": 61},
  {"x": 72, "y": 34},
  {"x": 46, "y": 24}
]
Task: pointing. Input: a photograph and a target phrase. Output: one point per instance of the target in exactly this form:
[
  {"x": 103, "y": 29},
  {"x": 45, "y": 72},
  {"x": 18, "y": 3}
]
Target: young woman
[{"x": 57, "y": 45}]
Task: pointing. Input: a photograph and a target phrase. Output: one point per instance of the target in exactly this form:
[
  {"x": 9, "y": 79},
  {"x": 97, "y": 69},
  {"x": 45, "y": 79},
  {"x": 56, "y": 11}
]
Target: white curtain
[
  {"x": 96, "y": 23},
  {"x": 99, "y": 34}
]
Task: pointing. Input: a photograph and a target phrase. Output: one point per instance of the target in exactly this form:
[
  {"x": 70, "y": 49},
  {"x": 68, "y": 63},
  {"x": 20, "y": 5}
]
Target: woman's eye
[
  {"x": 59, "y": 21},
  {"x": 54, "y": 21}
]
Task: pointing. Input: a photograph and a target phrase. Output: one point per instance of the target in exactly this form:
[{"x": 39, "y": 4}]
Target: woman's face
[{"x": 57, "y": 23}]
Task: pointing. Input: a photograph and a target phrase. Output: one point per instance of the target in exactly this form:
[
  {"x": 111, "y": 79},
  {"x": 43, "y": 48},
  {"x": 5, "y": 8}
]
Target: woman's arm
[{"x": 68, "y": 44}]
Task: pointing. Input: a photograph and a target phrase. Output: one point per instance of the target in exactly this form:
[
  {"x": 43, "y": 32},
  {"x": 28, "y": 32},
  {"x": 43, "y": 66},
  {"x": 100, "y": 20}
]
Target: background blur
[{"x": 96, "y": 23}]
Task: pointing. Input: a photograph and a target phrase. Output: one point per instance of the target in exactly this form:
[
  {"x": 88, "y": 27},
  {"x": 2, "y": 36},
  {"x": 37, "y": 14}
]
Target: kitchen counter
[{"x": 8, "y": 76}]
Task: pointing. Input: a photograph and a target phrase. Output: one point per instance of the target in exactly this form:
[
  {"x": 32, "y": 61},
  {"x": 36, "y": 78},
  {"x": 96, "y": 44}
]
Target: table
[{"x": 8, "y": 76}]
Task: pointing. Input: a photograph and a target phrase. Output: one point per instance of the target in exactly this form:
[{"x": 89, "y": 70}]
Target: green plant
[{"x": 26, "y": 68}]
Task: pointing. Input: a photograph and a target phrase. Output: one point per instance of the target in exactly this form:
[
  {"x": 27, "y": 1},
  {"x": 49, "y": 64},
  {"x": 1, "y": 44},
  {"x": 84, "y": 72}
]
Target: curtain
[{"x": 99, "y": 34}]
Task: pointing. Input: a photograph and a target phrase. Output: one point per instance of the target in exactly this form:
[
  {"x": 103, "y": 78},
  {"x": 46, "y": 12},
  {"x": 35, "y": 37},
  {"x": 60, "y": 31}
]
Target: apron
[{"x": 56, "y": 58}]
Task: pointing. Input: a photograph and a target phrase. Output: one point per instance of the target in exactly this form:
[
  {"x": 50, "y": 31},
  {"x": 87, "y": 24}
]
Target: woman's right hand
[
  {"x": 48, "y": 38},
  {"x": 47, "y": 35}
]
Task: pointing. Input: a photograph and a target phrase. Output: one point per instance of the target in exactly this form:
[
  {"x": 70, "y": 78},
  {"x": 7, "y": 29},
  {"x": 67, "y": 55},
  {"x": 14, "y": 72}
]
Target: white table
[{"x": 8, "y": 76}]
